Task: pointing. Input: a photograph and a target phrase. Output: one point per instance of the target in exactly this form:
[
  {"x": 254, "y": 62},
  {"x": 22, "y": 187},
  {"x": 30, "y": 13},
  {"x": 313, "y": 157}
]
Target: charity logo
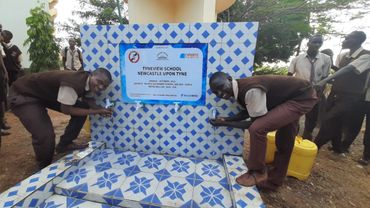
[
  {"x": 133, "y": 56},
  {"x": 162, "y": 56}
]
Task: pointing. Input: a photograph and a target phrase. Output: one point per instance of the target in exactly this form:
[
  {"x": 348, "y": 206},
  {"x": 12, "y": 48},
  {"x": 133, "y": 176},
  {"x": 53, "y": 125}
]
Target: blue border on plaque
[{"x": 123, "y": 47}]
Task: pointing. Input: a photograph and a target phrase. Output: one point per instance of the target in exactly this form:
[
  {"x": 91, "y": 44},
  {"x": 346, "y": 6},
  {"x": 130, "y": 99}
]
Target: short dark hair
[
  {"x": 103, "y": 71},
  {"x": 217, "y": 77},
  {"x": 315, "y": 36},
  {"x": 8, "y": 34},
  {"x": 359, "y": 35}
]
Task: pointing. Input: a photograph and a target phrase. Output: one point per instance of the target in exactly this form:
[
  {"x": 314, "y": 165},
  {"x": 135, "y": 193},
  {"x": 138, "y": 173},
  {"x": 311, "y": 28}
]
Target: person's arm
[
  {"x": 242, "y": 115},
  {"x": 359, "y": 65},
  {"x": 342, "y": 71},
  {"x": 76, "y": 111},
  {"x": 234, "y": 124},
  {"x": 91, "y": 102},
  {"x": 291, "y": 69}
]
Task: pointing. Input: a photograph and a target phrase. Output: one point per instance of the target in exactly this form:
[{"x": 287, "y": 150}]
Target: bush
[
  {"x": 43, "y": 50},
  {"x": 267, "y": 70}
]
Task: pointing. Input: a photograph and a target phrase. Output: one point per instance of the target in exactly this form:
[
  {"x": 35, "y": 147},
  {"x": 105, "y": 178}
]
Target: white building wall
[{"x": 13, "y": 14}]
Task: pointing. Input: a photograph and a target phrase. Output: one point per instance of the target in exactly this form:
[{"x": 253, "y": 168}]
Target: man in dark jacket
[
  {"x": 64, "y": 91},
  {"x": 271, "y": 103}
]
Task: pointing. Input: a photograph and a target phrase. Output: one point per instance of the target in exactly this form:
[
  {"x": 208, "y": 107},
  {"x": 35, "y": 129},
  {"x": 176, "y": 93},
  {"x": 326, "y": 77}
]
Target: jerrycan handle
[{"x": 299, "y": 139}]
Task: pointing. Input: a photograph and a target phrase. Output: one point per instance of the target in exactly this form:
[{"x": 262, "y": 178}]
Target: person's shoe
[
  {"x": 70, "y": 147},
  {"x": 363, "y": 161},
  {"x": 251, "y": 178},
  {"x": 5, "y": 127},
  {"x": 4, "y": 132}
]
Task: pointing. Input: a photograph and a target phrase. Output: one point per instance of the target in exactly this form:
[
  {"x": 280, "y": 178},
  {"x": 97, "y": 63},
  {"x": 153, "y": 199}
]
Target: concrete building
[
  {"x": 175, "y": 11},
  {"x": 13, "y": 18}
]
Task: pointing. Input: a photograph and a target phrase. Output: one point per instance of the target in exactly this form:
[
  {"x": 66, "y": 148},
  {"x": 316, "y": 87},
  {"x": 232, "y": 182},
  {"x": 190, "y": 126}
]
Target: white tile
[
  {"x": 152, "y": 163},
  {"x": 147, "y": 142},
  {"x": 174, "y": 192},
  {"x": 174, "y": 142},
  {"x": 104, "y": 182},
  {"x": 180, "y": 167},
  {"x": 139, "y": 186},
  {"x": 77, "y": 177},
  {"x": 201, "y": 146},
  {"x": 118, "y": 34},
  {"x": 126, "y": 160},
  {"x": 210, "y": 170},
  {"x": 234, "y": 162},
  {"x": 211, "y": 195},
  {"x": 37, "y": 197}
]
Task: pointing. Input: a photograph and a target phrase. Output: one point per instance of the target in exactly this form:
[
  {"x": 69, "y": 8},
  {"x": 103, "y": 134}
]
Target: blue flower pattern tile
[
  {"x": 174, "y": 190},
  {"x": 139, "y": 185},
  {"x": 116, "y": 177}
]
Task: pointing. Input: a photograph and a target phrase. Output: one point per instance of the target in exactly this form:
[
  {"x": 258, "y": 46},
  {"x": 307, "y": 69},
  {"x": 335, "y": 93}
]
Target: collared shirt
[
  {"x": 68, "y": 96},
  {"x": 361, "y": 64},
  {"x": 255, "y": 100},
  {"x": 301, "y": 67},
  {"x": 72, "y": 59}
]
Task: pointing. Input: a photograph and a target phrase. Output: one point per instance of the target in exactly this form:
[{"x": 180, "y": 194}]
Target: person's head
[
  {"x": 221, "y": 84},
  {"x": 72, "y": 42},
  {"x": 7, "y": 35},
  {"x": 314, "y": 43},
  {"x": 354, "y": 40},
  {"x": 100, "y": 79}
]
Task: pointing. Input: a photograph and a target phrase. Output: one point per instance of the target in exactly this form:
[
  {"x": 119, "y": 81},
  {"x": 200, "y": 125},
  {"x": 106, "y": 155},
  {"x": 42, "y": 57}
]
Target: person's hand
[
  {"x": 105, "y": 112},
  {"x": 217, "y": 121}
]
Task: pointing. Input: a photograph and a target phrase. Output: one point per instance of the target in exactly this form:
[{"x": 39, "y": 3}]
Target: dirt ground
[{"x": 335, "y": 181}]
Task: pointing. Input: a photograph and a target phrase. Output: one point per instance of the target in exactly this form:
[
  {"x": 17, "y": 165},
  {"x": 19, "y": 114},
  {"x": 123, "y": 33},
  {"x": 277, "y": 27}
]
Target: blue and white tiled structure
[{"x": 153, "y": 156}]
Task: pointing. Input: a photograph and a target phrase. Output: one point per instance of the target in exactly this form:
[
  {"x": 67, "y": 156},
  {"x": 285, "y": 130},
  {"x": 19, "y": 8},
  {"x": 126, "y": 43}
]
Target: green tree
[
  {"x": 101, "y": 12},
  {"x": 283, "y": 24},
  {"x": 43, "y": 50}
]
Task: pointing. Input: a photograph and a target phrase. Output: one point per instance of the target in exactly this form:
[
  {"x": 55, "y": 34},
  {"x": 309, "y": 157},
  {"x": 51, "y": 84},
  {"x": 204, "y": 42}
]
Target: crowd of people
[{"x": 275, "y": 103}]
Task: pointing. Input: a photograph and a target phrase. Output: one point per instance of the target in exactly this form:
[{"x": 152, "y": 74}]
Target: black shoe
[
  {"x": 5, "y": 127},
  {"x": 363, "y": 161},
  {"x": 4, "y": 132},
  {"x": 70, "y": 147}
]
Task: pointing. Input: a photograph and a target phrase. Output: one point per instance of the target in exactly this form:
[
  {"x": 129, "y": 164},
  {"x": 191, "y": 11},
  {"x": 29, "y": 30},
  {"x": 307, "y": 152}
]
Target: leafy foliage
[
  {"x": 100, "y": 12},
  {"x": 283, "y": 24},
  {"x": 43, "y": 50},
  {"x": 267, "y": 70}
]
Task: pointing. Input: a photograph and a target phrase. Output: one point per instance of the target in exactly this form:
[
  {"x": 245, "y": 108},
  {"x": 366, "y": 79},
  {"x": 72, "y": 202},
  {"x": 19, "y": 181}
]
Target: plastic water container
[
  {"x": 86, "y": 127},
  {"x": 270, "y": 148},
  {"x": 301, "y": 160}
]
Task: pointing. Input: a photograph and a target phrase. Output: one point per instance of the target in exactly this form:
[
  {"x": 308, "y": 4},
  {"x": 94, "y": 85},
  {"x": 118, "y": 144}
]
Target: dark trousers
[
  {"x": 33, "y": 115},
  {"x": 284, "y": 119},
  {"x": 314, "y": 117},
  {"x": 341, "y": 114},
  {"x": 354, "y": 125}
]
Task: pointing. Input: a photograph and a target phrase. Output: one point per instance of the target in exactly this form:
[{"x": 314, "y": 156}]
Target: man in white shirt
[
  {"x": 312, "y": 66},
  {"x": 271, "y": 103},
  {"x": 348, "y": 101},
  {"x": 72, "y": 57}
]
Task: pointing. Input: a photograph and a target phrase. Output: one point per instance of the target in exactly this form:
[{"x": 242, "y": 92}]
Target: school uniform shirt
[
  {"x": 72, "y": 58},
  {"x": 361, "y": 65},
  {"x": 68, "y": 96},
  {"x": 255, "y": 100},
  {"x": 302, "y": 67}
]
